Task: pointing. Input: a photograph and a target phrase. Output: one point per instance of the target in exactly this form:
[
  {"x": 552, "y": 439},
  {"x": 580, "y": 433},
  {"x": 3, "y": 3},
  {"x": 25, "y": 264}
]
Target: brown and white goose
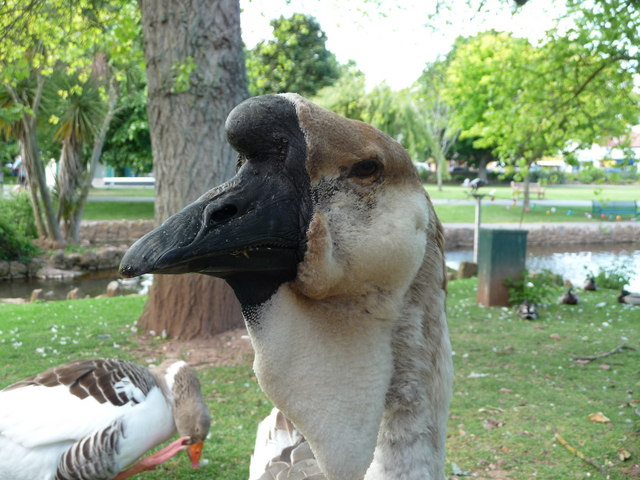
[
  {"x": 93, "y": 418},
  {"x": 334, "y": 250}
]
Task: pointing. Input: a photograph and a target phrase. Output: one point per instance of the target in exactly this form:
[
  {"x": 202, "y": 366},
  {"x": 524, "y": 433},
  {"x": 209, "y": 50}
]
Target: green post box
[{"x": 501, "y": 255}]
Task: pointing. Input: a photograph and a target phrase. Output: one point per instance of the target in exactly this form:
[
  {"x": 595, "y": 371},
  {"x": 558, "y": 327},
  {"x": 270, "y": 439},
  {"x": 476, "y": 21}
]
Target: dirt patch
[{"x": 225, "y": 349}]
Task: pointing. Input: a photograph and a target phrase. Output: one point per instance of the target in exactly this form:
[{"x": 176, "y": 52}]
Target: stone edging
[{"x": 459, "y": 236}]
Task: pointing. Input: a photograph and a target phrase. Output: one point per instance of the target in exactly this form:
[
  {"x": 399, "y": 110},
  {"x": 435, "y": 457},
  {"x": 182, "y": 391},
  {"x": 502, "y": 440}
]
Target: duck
[
  {"x": 336, "y": 255},
  {"x": 569, "y": 298},
  {"x": 527, "y": 310},
  {"x": 629, "y": 297},
  {"x": 590, "y": 283},
  {"x": 93, "y": 418}
]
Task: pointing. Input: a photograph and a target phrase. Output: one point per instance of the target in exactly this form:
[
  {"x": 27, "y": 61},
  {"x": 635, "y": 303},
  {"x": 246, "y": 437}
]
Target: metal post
[{"x": 476, "y": 232}]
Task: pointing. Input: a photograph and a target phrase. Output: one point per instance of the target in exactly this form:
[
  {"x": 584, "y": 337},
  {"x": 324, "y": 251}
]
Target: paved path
[
  {"x": 594, "y": 225},
  {"x": 555, "y": 203}
]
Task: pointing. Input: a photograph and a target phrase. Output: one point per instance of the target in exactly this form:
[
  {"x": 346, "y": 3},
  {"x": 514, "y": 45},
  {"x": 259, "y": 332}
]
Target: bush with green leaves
[
  {"x": 614, "y": 277},
  {"x": 17, "y": 212},
  {"x": 14, "y": 246},
  {"x": 535, "y": 287}
]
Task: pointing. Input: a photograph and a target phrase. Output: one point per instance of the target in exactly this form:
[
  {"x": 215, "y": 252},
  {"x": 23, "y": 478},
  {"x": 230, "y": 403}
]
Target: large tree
[
  {"x": 296, "y": 60},
  {"x": 195, "y": 76},
  {"x": 37, "y": 39},
  {"x": 436, "y": 117},
  {"x": 525, "y": 102}
]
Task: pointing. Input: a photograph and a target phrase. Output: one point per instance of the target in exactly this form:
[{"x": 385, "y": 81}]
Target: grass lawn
[
  {"x": 123, "y": 192},
  {"x": 605, "y": 193},
  {"x": 452, "y": 192},
  {"x": 492, "y": 213},
  {"x": 515, "y": 383},
  {"x": 118, "y": 211}
]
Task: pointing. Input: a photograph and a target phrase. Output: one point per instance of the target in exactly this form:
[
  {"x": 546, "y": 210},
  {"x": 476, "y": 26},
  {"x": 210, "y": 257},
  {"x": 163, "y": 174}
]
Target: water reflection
[
  {"x": 92, "y": 284},
  {"x": 572, "y": 261}
]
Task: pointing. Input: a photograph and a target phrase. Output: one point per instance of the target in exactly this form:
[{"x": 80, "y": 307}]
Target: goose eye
[{"x": 365, "y": 169}]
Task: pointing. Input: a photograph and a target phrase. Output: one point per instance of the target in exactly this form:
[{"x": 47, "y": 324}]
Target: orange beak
[{"x": 195, "y": 452}]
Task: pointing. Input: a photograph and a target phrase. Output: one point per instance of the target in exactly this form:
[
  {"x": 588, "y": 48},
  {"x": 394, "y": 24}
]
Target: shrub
[
  {"x": 14, "y": 245},
  {"x": 614, "y": 277},
  {"x": 18, "y": 213},
  {"x": 534, "y": 287}
]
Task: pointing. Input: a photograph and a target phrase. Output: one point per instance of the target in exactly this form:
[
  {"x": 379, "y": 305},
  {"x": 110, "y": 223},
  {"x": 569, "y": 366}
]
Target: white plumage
[{"x": 93, "y": 418}]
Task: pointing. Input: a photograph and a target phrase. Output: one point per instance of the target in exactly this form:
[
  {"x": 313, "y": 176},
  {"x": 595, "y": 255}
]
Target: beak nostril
[{"x": 223, "y": 213}]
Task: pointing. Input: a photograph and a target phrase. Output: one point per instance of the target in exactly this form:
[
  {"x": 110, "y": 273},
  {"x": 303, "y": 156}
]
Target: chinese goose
[
  {"x": 336, "y": 254},
  {"x": 93, "y": 418}
]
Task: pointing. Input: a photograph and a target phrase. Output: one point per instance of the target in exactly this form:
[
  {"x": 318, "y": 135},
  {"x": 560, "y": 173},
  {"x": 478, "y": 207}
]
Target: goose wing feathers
[
  {"x": 282, "y": 453},
  {"x": 84, "y": 419},
  {"x": 68, "y": 401}
]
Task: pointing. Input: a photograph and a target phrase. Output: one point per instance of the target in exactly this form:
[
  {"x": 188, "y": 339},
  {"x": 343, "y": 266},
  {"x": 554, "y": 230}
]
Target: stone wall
[
  {"x": 461, "y": 236},
  {"x": 114, "y": 232},
  {"x": 110, "y": 239}
]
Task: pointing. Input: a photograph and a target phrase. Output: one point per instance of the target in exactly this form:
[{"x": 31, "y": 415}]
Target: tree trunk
[
  {"x": 526, "y": 206},
  {"x": 45, "y": 218},
  {"x": 96, "y": 153},
  {"x": 482, "y": 166},
  {"x": 70, "y": 178},
  {"x": 441, "y": 165},
  {"x": 190, "y": 151}
]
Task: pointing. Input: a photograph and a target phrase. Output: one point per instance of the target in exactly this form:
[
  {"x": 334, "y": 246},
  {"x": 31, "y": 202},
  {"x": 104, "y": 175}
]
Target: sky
[{"x": 392, "y": 42}]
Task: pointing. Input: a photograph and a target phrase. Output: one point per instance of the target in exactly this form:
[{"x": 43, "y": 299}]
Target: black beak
[{"x": 255, "y": 223}]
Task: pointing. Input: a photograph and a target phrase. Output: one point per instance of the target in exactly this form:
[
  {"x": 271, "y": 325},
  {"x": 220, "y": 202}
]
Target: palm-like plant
[{"x": 82, "y": 110}]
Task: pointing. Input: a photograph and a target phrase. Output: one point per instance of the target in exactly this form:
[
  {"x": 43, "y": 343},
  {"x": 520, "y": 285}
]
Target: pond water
[
  {"x": 567, "y": 260},
  {"x": 92, "y": 284},
  {"x": 573, "y": 261}
]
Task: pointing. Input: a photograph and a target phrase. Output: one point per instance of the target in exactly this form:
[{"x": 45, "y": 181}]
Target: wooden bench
[
  {"x": 619, "y": 207},
  {"x": 534, "y": 187}
]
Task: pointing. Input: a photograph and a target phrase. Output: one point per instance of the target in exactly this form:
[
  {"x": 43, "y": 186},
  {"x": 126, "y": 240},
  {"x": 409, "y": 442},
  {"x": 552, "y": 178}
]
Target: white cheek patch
[{"x": 377, "y": 247}]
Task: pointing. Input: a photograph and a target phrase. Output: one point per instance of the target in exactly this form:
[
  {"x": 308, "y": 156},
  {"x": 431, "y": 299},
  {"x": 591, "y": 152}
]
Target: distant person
[{"x": 18, "y": 170}]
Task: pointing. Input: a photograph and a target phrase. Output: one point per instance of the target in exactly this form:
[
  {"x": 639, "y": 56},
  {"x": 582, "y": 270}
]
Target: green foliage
[
  {"x": 17, "y": 212},
  {"x": 525, "y": 102},
  {"x": 347, "y": 96},
  {"x": 614, "y": 277},
  {"x": 14, "y": 246},
  {"x": 296, "y": 60},
  {"x": 535, "y": 287},
  {"x": 590, "y": 175},
  {"x": 128, "y": 143}
]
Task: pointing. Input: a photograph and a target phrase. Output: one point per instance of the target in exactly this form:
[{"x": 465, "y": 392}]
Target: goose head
[
  {"x": 332, "y": 246},
  {"x": 190, "y": 412}
]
